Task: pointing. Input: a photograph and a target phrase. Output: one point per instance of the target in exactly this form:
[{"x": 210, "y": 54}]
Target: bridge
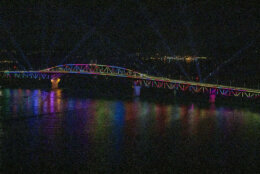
[{"x": 139, "y": 79}]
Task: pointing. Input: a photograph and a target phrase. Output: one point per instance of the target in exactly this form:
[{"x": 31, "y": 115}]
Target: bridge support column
[
  {"x": 212, "y": 98},
  {"x": 137, "y": 90},
  {"x": 55, "y": 83}
]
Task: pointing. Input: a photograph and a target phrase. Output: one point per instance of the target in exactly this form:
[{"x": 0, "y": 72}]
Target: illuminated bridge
[{"x": 139, "y": 79}]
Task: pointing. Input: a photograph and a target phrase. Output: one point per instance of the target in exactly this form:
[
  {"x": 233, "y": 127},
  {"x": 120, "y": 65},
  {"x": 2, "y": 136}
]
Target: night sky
[{"x": 52, "y": 32}]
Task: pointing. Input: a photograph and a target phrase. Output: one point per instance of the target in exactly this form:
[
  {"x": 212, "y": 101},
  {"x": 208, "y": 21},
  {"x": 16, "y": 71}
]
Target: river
[{"x": 55, "y": 131}]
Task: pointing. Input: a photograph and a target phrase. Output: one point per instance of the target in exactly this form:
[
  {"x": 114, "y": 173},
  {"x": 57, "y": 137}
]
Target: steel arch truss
[
  {"x": 139, "y": 79},
  {"x": 95, "y": 69},
  {"x": 196, "y": 88}
]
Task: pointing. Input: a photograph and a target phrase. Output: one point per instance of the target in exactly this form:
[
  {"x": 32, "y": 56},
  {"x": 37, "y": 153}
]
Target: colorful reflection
[
  {"x": 1, "y": 137},
  {"x": 37, "y": 126},
  {"x": 103, "y": 119}
]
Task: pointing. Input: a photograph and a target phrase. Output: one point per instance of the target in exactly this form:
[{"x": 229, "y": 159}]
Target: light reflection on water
[
  {"x": 110, "y": 129},
  {"x": 23, "y": 103}
]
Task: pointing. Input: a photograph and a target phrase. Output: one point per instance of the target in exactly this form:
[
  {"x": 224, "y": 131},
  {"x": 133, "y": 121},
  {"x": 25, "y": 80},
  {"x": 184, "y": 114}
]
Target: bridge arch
[
  {"x": 139, "y": 79},
  {"x": 95, "y": 69}
]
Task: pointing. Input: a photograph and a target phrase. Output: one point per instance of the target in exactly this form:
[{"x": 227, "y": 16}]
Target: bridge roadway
[{"x": 140, "y": 79}]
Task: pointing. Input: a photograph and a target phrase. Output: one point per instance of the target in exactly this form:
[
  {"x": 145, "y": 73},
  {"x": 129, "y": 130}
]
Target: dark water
[{"x": 52, "y": 132}]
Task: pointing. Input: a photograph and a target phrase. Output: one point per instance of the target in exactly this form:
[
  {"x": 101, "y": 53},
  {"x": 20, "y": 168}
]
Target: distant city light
[
  {"x": 8, "y": 61},
  {"x": 8, "y": 65},
  {"x": 187, "y": 59}
]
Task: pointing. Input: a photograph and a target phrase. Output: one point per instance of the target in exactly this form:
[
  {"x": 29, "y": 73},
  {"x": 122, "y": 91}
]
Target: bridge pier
[
  {"x": 137, "y": 90},
  {"x": 212, "y": 98},
  {"x": 55, "y": 83}
]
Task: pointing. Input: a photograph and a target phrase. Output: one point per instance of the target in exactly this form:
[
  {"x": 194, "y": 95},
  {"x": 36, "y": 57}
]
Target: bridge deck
[
  {"x": 143, "y": 77},
  {"x": 140, "y": 79}
]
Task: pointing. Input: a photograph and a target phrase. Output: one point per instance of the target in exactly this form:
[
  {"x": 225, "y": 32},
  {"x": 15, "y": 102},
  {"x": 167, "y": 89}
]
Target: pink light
[{"x": 212, "y": 98}]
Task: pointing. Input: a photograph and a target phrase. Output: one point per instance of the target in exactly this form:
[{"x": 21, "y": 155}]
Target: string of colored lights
[{"x": 140, "y": 79}]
